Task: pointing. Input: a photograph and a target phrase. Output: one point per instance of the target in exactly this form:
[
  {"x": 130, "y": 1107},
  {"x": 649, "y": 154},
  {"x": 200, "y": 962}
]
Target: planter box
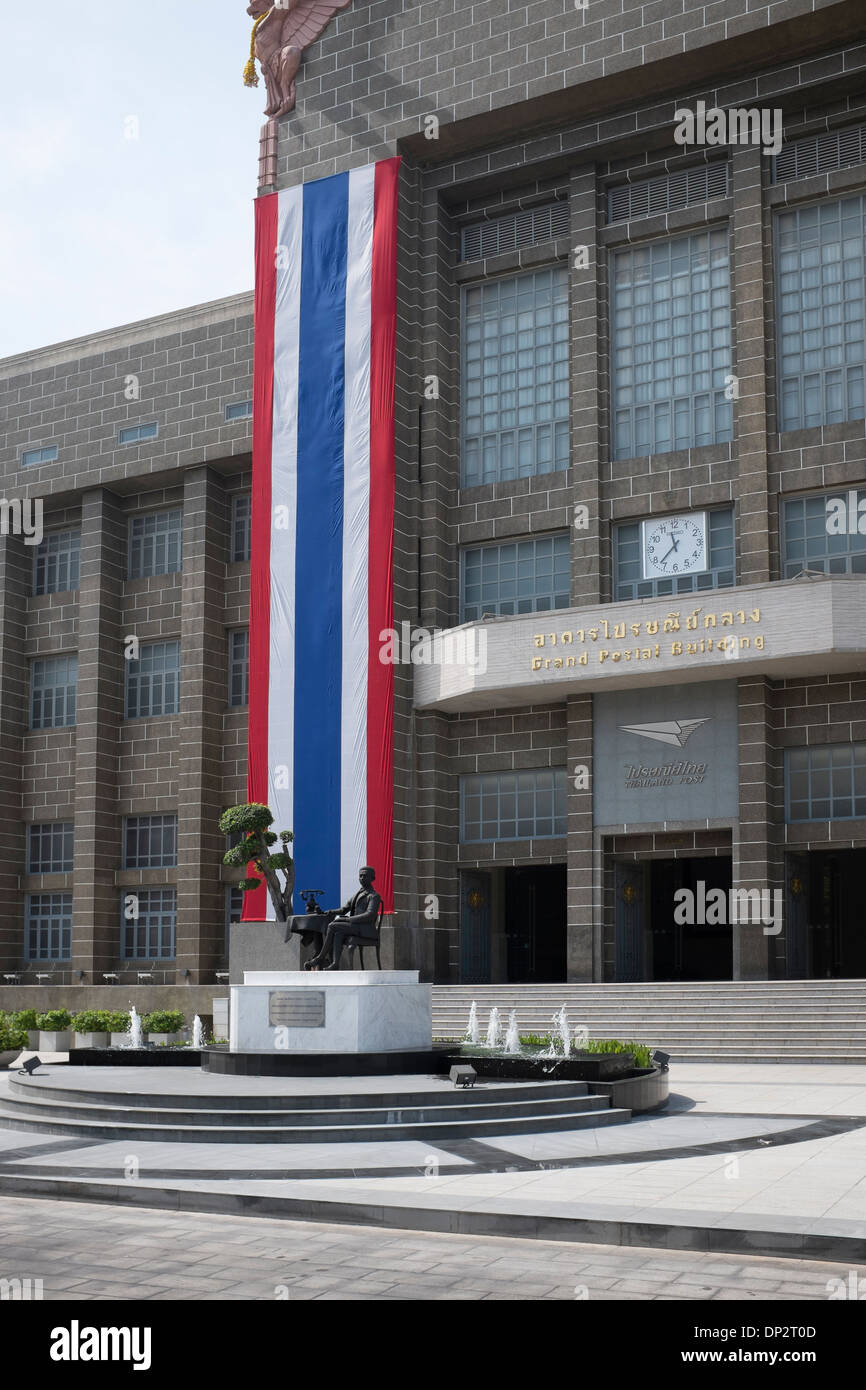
[
  {"x": 55, "y": 1042},
  {"x": 157, "y": 1038},
  {"x": 578, "y": 1066},
  {"x": 91, "y": 1039},
  {"x": 6, "y": 1058},
  {"x": 119, "y": 1039},
  {"x": 33, "y": 1039}
]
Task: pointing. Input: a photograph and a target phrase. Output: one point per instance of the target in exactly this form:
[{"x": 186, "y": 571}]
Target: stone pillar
[
  {"x": 756, "y": 862},
  {"x": 750, "y": 408},
  {"x": 587, "y": 351},
  {"x": 579, "y": 951},
  {"x": 16, "y": 562},
  {"x": 96, "y": 900},
  {"x": 203, "y": 699}
]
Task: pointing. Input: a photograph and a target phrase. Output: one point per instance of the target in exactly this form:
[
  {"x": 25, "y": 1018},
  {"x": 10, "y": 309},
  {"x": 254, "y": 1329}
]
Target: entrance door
[
  {"x": 837, "y": 942},
  {"x": 701, "y": 949},
  {"x": 535, "y": 924},
  {"x": 630, "y": 890},
  {"x": 797, "y": 916},
  {"x": 474, "y": 927}
]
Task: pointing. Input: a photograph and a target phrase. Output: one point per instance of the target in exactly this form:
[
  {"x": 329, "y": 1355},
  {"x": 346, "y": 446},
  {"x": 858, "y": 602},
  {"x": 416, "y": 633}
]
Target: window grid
[
  {"x": 32, "y": 457},
  {"x": 57, "y": 563},
  {"x": 134, "y": 434},
  {"x": 49, "y": 926},
  {"x": 515, "y": 370},
  {"x": 239, "y": 668},
  {"x": 50, "y": 847},
  {"x": 150, "y": 935},
  {"x": 241, "y": 520},
  {"x": 53, "y": 683},
  {"x": 530, "y": 576},
  {"x": 239, "y": 410},
  {"x": 721, "y": 573},
  {"x": 152, "y": 682},
  {"x": 150, "y": 842},
  {"x": 808, "y": 545},
  {"x": 514, "y": 231},
  {"x": 155, "y": 544},
  {"x": 825, "y": 782},
  {"x": 527, "y": 805},
  {"x": 671, "y": 350},
  {"x": 820, "y": 313}
]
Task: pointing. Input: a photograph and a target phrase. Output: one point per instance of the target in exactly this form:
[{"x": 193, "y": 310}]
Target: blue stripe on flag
[{"x": 319, "y": 559}]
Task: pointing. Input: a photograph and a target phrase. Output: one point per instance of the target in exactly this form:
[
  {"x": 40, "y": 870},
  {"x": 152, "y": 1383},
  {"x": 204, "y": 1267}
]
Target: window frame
[
  {"x": 558, "y": 790},
  {"x": 37, "y": 830},
  {"x": 137, "y": 674},
  {"x": 516, "y": 541},
  {"x": 72, "y": 556},
  {"x": 46, "y": 918},
  {"x": 71, "y": 659}
]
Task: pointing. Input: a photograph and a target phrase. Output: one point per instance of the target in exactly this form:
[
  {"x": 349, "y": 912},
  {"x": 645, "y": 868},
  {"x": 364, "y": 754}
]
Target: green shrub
[
  {"x": 90, "y": 1021},
  {"x": 116, "y": 1021},
  {"x": 12, "y": 1037},
  {"x": 640, "y": 1052},
  {"x": 54, "y": 1021},
  {"x": 26, "y": 1019},
  {"x": 162, "y": 1021}
]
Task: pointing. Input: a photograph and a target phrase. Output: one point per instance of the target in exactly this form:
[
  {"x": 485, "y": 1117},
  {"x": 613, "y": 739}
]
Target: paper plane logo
[{"x": 674, "y": 731}]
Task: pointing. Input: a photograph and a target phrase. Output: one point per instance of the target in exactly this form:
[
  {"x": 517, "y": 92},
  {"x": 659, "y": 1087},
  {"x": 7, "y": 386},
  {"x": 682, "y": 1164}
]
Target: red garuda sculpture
[{"x": 280, "y": 34}]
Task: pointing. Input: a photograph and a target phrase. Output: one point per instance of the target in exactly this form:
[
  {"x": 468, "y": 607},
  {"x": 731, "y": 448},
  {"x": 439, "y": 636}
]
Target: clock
[{"x": 672, "y": 546}]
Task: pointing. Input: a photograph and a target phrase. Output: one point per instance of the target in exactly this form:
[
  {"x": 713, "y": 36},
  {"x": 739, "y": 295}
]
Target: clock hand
[{"x": 670, "y": 552}]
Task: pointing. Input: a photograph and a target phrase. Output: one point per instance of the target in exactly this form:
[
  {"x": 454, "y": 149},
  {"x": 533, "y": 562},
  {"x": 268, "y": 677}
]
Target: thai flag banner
[{"x": 321, "y": 573}]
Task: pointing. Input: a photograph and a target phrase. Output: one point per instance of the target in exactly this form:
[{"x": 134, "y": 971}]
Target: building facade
[{"x": 631, "y": 477}]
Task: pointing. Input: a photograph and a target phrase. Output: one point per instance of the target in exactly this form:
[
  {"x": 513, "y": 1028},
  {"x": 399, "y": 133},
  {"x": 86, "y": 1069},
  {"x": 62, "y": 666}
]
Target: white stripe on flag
[
  {"x": 356, "y": 547},
  {"x": 281, "y": 655}
]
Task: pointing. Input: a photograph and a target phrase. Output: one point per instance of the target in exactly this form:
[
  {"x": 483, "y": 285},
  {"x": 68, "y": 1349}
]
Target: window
[
  {"x": 49, "y": 926},
  {"x": 150, "y": 842},
  {"x": 818, "y": 154},
  {"x": 53, "y": 682},
  {"x": 154, "y": 544},
  {"x": 47, "y": 454},
  {"x": 671, "y": 353},
  {"x": 239, "y": 668},
  {"x": 57, "y": 563},
  {"x": 515, "y": 377},
  {"x": 721, "y": 573},
  {"x": 234, "y": 908},
  {"x": 49, "y": 848},
  {"x": 241, "y": 514},
  {"x": 152, "y": 682},
  {"x": 666, "y": 192},
  {"x": 820, "y": 320},
  {"x": 515, "y": 230},
  {"x": 149, "y": 922},
  {"x": 517, "y": 577},
  {"x": 807, "y": 544},
  {"x": 827, "y": 782},
  {"x": 513, "y": 805},
  {"x": 239, "y": 410},
  {"x": 134, "y": 434}
]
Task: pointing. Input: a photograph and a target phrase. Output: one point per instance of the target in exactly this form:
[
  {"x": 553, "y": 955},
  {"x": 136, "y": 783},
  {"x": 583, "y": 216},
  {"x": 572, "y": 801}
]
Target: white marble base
[{"x": 364, "y": 1011}]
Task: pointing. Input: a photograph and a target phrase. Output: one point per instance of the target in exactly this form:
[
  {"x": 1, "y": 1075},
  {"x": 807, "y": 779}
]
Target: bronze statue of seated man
[{"x": 358, "y": 917}]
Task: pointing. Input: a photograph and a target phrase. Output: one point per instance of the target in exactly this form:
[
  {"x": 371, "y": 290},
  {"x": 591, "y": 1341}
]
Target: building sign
[
  {"x": 666, "y": 754},
  {"x": 296, "y": 1008},
  {"x": 699, "y": 635}
]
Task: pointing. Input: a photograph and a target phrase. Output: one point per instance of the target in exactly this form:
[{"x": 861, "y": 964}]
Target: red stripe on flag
[
  {"x": 267, "y": 209},
  {"x": 380, "y": 679}
]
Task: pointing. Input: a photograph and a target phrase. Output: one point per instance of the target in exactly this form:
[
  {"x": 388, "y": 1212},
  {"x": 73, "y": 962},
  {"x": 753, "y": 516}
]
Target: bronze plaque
[{"x": 297, "y": 1008}]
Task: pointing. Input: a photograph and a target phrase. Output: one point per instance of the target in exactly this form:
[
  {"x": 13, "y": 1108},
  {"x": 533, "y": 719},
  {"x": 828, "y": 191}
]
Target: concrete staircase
[{"x": 725, "y": 1021}]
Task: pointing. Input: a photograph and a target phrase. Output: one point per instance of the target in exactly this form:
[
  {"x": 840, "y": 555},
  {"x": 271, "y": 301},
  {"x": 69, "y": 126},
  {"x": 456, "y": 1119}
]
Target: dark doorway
[
  {"x": 535, "y": 924},
  {"x": 680, "y": 950},
  {"x": 836, "y": 885}
]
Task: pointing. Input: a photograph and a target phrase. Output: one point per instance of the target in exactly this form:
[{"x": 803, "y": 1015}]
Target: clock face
[{"x": 674, "y": 546}]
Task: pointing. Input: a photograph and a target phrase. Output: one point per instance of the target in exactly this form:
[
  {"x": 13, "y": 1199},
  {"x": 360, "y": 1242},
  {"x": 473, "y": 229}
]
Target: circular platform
[{"x": 220, "y": 1062}]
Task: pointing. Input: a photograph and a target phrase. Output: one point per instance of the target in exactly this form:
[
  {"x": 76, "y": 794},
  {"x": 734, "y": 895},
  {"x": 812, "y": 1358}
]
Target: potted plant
[
  {"x": 13, "y": 1040},
  {"x": 54, "y": 1034},
  {"x": 117, "y": 1023},
  {"x": 91, "y": 1029},
  {"x": 26, "y": 1019},
  {"x": 162, "y": 1026}
]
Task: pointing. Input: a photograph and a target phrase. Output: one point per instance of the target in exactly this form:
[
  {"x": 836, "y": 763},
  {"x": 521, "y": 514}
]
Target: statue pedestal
[{"x": 338, "y": 1011}]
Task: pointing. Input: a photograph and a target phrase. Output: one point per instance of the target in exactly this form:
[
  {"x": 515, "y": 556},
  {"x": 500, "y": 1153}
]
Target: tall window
[
  {"x": 720, "y": 574},
  {"x": 821, "y": 313},
  {"x": 154, "y": 544},
  {"x": 149, "y": 924},
  {"x": 513, "y": 805},
  {"x": 825, "y": 782},
  {"x": 517, "y": 577},
  {"x": 57, "y": 563},
  {"x": 152, "y": 682},
  {"x": 671, "y": 328},
  {"x": 49, "y": 926},
  {"x": 49, "y": 848},
  {"x": 239, "y": 668},
  {"x": 53, "y": 683},
  {"x": 150, "y": 842},
  {"x": 515, "y": 377},
  {"x": 241, "y": 513},
  {"x": 234, "y": 908},
  {"x": 815, "y": 536}
]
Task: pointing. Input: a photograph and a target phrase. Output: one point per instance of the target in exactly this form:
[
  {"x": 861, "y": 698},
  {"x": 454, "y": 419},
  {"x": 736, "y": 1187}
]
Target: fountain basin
[{"x": 535, "y": 1066}]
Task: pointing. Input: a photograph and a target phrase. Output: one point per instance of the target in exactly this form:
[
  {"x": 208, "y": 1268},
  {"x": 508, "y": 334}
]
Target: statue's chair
[{"x": 363, "y": 941}]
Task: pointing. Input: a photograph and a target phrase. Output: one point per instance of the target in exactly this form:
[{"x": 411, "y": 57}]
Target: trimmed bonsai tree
[{"x": 253, "y": 821}]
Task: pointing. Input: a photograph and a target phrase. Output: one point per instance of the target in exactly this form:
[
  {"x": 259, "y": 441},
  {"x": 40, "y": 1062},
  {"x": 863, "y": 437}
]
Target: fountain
[
  {"x": 473, "y": 1032},
  {"x": 197, "y": 1032},
  {"x": 512, "y": 1036},
  {"x": 581, "y": 1036},
  {"x": 136, "y": 1035},
  {"x": 494, "y": 1030},
  {"x": 561, "y": 1021}
]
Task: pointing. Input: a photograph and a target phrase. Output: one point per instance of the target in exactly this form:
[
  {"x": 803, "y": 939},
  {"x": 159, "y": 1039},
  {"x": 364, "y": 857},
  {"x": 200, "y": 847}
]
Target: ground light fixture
[
  {"x": 463, "y": 1077},
  {"x": 661, "y": 1059},
  {"x": 30, "y": 1065}
]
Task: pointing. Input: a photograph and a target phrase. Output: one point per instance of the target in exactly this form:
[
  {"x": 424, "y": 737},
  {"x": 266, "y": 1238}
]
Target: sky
[{"x": 128, "y": 162}]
